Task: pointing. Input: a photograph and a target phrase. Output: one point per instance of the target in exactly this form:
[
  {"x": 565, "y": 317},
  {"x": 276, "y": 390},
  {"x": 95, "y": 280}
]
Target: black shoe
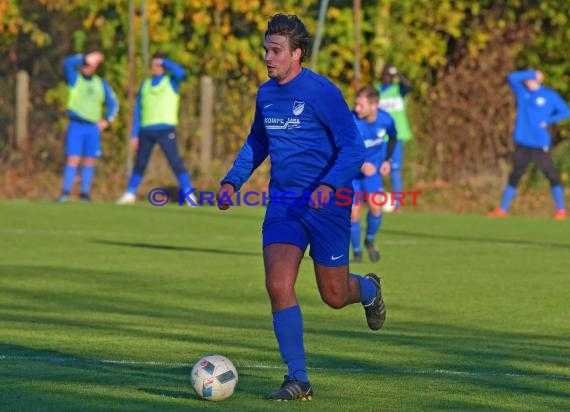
[
  {"x": 357, "y": 257},
  {"x": 373, "y": 253},
  {"x": 292, "y": 390},
  {"x": 85, "y": 197},
  {"x": 375, "y": 311}
]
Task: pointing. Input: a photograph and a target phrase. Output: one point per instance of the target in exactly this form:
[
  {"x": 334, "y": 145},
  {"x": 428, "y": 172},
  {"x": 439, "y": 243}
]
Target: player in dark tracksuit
[
  {"x": 537, "y": 108},
  {"x": 155, "y": 121}
]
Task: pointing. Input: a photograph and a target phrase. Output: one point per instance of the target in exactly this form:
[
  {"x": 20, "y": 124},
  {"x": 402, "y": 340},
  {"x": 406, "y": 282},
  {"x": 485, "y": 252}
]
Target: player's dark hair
[
  {"x": 386, "y": 70},
  {"x": 293, "y": 28},
  {"x": 158, "y": 55},
  {"x": 369, "y": 92}
]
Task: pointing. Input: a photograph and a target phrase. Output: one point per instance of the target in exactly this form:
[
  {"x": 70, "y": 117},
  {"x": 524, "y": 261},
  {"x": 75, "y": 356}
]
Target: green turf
[{"x": 105, "y": 308}]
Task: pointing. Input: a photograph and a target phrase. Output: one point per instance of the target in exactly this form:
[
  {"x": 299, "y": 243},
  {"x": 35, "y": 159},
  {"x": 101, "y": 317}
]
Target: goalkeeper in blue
[
  {"x": 538, "y": 107},
  {"x": 303, "y": 124},
  {"x": 374, "y": 125}
]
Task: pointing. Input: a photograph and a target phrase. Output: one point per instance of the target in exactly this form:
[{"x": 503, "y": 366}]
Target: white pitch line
[{"x": 389, "y": 371}]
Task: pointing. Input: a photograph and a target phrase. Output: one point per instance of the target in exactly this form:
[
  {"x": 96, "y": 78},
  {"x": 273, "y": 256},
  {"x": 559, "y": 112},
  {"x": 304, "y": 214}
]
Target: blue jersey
[
  {"x": 374, "y": 135},
  {"x": 308, "y": 131},
  {"x": 177, "y": 74},
  {"x": 71, "y": 67},
  {"x": 536, "y": 110}
]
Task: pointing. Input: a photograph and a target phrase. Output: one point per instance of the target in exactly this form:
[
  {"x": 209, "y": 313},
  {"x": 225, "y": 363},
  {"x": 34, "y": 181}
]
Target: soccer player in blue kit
[
  {"x": 87, "y": 94},
  {"x": 537, "y": 108},
  {"x": 374, "y": 125},
  {"x": 304, "y": 125}
]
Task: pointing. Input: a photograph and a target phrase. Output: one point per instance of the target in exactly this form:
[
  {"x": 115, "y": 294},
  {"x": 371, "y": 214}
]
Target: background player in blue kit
[
  {"x": 374, "y": 125},
  {"x": 537, "y": 108},
  {"x": 155, "y": 121},
  {"x": 393, "y": 92},
  {"x": 303, "y": 123},
  {"x": 87, "y": 94}
]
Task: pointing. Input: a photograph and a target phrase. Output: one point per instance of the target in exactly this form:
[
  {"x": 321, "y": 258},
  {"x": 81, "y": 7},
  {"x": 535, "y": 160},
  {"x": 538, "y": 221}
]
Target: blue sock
[
  {"x": 373, "y": 224},
  {"x": 396, "y": 180},
  {"x": 184, "y": 181},
  {"x": 87, "y": 174},
  {"x": 367, "y": 289},
  {"x": 68, "y": 178},
  {"x": 355, "y": 236},
  {"x": 134, "y": 183},
  {"x": 288, "y": 327},
  {"x": 558, "y": 196},
  {"x": 508, "y": 196}
]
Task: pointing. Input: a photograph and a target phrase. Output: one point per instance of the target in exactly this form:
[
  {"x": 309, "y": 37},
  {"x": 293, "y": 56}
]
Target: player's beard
[{"x": 279, "y": 73}]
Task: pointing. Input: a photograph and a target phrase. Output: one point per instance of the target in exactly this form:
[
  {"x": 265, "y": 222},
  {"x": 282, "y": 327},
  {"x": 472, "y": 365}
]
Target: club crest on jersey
[
  {"x": 298, "y": 107},
  {"x": 540, "y": 101}
]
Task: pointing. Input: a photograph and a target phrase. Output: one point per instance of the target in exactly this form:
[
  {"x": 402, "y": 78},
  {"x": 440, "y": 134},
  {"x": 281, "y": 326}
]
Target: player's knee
[
  {"x": 335, "y": 299},
  {"x": 277, "y": 289},
  {"x": 89, "y": 161},
  {"x": 73, "y": 161}
]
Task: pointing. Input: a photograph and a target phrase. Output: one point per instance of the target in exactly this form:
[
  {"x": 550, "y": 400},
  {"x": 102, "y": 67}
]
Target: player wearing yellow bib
[
  {"x": 155, "y": 121},
  {"x": 393, "y": 91},
  {"x": 88, "y": 93}
]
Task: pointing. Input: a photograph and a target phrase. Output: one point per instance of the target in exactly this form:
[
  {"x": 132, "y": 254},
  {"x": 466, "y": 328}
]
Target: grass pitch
[{"x": 106, "y": 308}]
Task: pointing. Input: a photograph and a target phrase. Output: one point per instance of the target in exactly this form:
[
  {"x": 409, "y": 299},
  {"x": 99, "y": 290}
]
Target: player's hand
[
  {"x": 368, "y": 169},
  {"x": 224, "y": 195},
  {"x": 320, "y": 197},
  {"x": 385, "y": 168},
  {"x": 94, "y": 59},
  {"x": 102, "y": 124},
  {"x": 134, "y": 143}
]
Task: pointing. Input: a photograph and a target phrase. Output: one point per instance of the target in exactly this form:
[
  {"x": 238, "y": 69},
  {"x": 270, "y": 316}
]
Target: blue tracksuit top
[
  {"x": 536, "y": 110},
  {"x": 374, "y": 135},
  {"x": 307, "y": 129}
]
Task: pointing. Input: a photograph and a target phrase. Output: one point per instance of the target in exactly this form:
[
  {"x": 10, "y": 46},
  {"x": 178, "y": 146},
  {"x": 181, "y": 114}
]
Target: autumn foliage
[{"x": 457, "y": 54}]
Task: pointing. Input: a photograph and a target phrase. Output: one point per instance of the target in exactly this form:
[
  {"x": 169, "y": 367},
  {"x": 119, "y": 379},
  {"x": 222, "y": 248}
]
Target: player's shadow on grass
[
  {"x": 177, "y": 248},
  {"x": 503, "y": 362},
  {"x": 475, "y": 239},
  {"x": 73, "y": 375},
  {"x": 54, "y": 380}
]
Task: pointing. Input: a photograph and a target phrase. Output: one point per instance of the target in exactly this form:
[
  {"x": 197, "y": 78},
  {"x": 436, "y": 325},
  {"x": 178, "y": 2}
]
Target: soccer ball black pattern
[{"x": 214, "y": 378}]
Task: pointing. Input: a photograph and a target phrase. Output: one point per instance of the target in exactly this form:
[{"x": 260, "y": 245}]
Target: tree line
[{"x": 457, "y": 54}]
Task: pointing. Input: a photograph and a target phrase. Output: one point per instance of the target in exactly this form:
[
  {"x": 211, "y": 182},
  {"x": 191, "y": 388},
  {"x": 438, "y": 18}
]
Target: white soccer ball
[
  {"x": 389, "y": 206},
  {"x": 214, "y": 378}
]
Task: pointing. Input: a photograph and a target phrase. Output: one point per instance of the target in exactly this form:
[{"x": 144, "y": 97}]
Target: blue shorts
[
  {"x": 398, "y": 156},
  {"x": 83, "y": 139},
  {"x": 326, "y": 230},
  {"x": 368, "y": 184}
]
